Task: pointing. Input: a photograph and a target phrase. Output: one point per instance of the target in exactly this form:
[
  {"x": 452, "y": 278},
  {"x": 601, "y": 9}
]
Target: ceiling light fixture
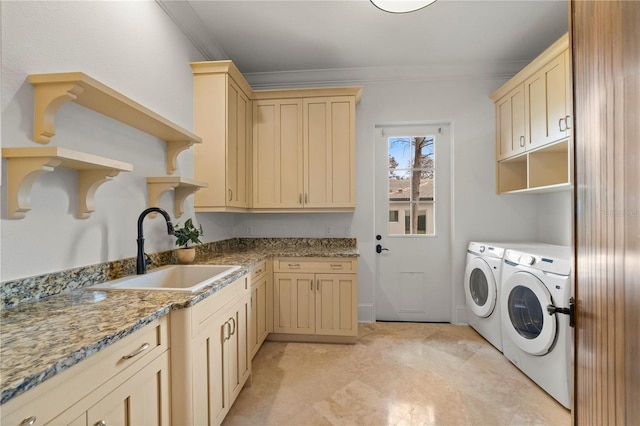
[{"x": 401, "y": 6}]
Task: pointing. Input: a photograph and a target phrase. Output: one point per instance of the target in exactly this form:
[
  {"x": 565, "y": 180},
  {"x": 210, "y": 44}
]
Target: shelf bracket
[
  {"x": 174, "y": 148},
  {"x": 48, "y": 100},
  {"x": 88, "y": 183},
  {"x": 23, "y": 173},
  {"x": 181, "y": 188}
]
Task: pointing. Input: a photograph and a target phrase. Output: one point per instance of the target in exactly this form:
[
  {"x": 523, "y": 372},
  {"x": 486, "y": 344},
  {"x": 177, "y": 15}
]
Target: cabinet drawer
[
  {"x": 55, "y": 395},
  {"x": 216, "y": 301},
  {"x": 315, "y": 264},
  {"x": 260, "y": 270}
]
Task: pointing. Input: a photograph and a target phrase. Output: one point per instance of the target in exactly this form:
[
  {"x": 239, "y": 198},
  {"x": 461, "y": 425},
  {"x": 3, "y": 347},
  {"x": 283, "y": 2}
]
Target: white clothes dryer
[
  {"x": 537, "y": 316},
  {"x": 482, "y": 284},
  {"x": 481, "y": 288}
]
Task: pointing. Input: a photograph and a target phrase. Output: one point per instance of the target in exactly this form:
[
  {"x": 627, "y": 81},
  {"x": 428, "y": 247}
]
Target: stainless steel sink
[{"x": 170, "y": 278}]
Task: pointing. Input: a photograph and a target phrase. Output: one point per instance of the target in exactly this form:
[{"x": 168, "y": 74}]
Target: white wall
[
  {"x": 137, "y": 50},
  {"x": 555, "y": 216},
  {"x": 478, "y": 213}
]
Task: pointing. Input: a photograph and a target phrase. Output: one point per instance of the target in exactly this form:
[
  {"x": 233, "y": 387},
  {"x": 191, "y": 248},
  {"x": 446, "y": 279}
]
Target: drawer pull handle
[
  {"x": 294, "y": 265},
  {"x": 101, "y": 423},
  {"x": 136, "y": 352},
  {"x": 336, "y": 266},
  {"x": 258, "y": 271},
  {"x": 29, "y": 421}
]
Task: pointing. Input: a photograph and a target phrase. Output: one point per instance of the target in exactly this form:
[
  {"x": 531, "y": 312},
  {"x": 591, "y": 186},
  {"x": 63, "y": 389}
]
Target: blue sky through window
[{"x": 402, "y": 149}]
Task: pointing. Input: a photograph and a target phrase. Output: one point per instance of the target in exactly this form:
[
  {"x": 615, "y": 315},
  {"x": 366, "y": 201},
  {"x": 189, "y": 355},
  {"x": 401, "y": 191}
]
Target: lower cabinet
[
  {"x": 261, "y": 305},
  {"x": 212, "y": 360},
  {"x": 315, "y": 297},
  {"x": 126, "y": 384}
]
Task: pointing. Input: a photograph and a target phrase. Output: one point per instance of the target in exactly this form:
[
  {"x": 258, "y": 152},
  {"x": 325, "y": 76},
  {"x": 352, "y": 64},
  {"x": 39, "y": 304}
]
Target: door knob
[{"x": 379, "y": 248}]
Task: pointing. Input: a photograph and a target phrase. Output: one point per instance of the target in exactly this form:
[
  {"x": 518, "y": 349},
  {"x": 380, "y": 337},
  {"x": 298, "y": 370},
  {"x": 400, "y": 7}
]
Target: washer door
[
  {"x": 524, "y": 313},
  {"x": 480, "y": 287}
]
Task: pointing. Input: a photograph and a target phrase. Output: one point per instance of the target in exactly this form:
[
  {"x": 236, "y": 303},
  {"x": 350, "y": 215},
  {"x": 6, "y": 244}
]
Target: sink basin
[{"x": 170, "y": 278}]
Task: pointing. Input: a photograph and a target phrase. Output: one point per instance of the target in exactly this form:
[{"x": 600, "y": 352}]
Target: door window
[{"x": 411, "y": 185}]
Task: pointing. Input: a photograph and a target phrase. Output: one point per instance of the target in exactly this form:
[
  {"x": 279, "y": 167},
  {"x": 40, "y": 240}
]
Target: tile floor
[{"x": 396, "y": 374}]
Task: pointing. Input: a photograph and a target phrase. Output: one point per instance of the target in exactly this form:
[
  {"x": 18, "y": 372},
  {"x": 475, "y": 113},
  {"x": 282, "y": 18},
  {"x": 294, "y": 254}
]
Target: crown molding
[
  {"x": 381, "y": 75},
  {"x": 187, "y": 20}
]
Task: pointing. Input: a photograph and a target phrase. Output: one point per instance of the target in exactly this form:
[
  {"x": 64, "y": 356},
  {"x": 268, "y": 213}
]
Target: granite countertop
[{"x": 42, "y": 338}]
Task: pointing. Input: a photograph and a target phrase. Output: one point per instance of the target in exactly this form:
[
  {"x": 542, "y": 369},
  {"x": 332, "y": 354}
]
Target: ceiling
[{"x": 273, "y": 36}]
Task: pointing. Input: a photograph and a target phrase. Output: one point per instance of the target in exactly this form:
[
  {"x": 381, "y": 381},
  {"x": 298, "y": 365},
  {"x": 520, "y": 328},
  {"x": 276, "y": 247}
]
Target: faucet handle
[{"x": 147, "y": 260}]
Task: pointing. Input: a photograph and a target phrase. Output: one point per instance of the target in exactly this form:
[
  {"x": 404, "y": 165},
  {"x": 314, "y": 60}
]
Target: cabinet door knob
[
  {"x": 567, "y": 121},
  {"x": 300, "y": 198},
  {"x": 29, "y": 421},
  {"x": 306, "y": 198},
  {"x": 101, "y": 423},
  {"x": 522, "y": 141}
]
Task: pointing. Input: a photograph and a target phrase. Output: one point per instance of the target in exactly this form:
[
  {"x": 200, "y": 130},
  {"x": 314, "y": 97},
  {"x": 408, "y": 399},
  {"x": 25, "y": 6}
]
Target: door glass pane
[
  {"x": 525, "y": 312},
  {"x": 411, "y": 185}
]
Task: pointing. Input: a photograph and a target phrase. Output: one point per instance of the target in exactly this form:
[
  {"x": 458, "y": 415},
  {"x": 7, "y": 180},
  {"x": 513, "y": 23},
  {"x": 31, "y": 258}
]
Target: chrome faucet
[{"x": 143, "y": 260}]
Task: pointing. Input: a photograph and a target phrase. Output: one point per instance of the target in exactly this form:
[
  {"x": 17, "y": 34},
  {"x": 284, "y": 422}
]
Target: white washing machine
[
  {"x": 482, "y": 284},
  {"x": 481, "y": 289},
  {"x": 537, "y": 316}
]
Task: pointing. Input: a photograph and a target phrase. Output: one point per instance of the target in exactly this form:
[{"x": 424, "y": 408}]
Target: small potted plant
[{"x": 185, "y": 235}]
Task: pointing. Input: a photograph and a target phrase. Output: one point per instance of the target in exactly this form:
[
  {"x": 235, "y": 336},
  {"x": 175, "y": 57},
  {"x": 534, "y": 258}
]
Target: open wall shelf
[
  {"x": 54, "y": 90},
  {"x": 24, "y": 165},
  {"x": 182, "y": 188}
]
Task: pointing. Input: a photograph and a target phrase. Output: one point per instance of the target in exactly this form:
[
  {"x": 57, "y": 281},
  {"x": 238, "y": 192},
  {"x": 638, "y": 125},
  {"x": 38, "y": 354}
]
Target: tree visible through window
[{"x": 411, "y": 184}]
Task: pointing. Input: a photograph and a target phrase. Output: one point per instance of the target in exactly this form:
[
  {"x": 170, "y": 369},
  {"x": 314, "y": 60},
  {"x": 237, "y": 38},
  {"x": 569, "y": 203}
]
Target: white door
[{"x": 413, "y": 222}]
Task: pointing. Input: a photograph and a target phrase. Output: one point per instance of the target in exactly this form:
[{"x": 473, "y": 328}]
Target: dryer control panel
[{"x": 541, "y": 262}]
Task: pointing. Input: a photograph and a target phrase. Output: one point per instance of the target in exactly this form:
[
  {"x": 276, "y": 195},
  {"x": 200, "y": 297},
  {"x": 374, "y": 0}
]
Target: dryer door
[
  {"x": 523, "y": 302},
  {"x": 480, "y": 287}
]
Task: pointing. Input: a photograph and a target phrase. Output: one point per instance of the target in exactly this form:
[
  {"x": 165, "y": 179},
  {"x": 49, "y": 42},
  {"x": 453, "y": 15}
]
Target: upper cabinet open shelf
[{"x": 54, "y": 90}]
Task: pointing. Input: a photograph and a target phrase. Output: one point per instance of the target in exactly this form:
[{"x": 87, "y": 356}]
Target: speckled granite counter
[{"x": 41, "y": 338}]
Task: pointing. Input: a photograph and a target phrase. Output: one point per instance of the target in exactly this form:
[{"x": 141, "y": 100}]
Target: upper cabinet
[
  {"x": 289, "y": 150},
  {"x": 304, "y": 149},
  {"x": 533, "y": 125},
  {"x": 277, "y": 154},
  {"x": 547, "y": 100},
  {"x": 223, "y": 118}
]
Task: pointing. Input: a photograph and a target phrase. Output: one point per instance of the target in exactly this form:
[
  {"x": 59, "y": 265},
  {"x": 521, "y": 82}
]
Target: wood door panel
[{"x": 607, "y": 95}]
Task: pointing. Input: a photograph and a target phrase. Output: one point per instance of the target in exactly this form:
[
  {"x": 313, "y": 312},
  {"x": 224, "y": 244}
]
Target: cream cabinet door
[
  {"x": 329, "y": 152},
  {"x": 293, "y": 303},
  {"x": 261, "y": 312},
  {"x": 221, "y": 362},
  {"x": 336, "y": 304},
  {"x": 277, "y": 154},
  {"x": 141, "y": 400},
  {"x": 238, "y": 142},
  {"x": 510, "y": 124},
  {"x": 547, "y": 103}
]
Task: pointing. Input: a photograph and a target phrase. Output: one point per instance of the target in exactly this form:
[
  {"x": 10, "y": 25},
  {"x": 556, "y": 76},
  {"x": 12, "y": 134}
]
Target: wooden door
[
  {"x": 277, "y": 154},
  {"x": 336, "y": 304},
  {"x": 606, "y": 75},
  {"x": 329, "y": 151},
  {"x": 293, "y": 303},
  {"x": 510, "y": 114}
]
